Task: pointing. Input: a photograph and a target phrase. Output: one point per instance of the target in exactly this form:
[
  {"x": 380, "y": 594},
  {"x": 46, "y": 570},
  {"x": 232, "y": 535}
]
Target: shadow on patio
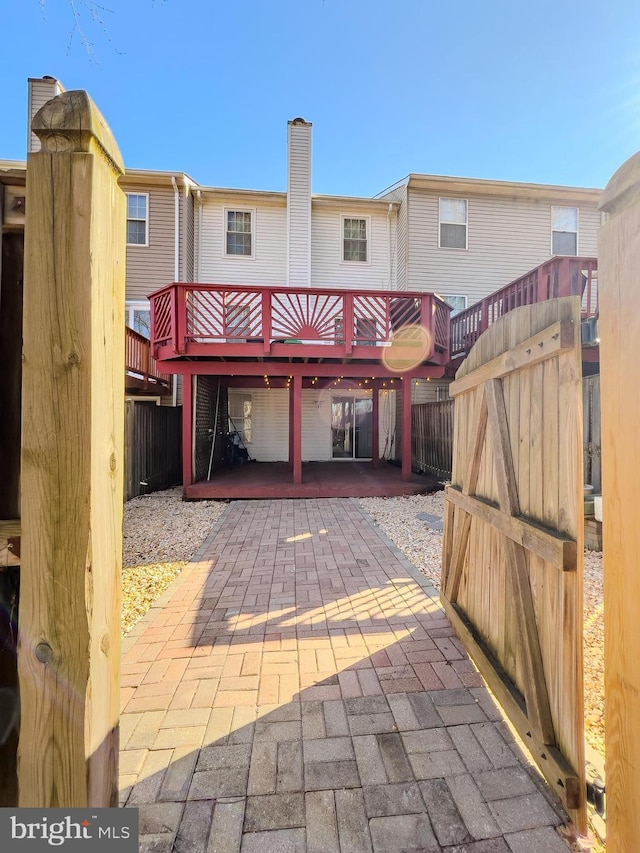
[{"x": 299, "y": 690}]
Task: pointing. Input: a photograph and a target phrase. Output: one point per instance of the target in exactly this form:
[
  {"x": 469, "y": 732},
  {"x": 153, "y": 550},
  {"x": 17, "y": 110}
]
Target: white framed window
[
  {"x": 137, "y": 219},
  {"x": 138, "y": 317},
  {"x": 453, "y": 223},
  {"x": 458, "y": 303},
  {"x": 240, "y": 417},
  {"x": 564, "y": 230},
  {"x": 355, "y": 239},
  {"x": 239, "y": 239}
]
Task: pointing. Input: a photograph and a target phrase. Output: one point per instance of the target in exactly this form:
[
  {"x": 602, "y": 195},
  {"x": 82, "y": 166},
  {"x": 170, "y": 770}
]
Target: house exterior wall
[
  {"x": 270, "y": 423},
  {"x": 400, "y": 195},
  {"x": 151, "y": 267},
  {"x": 267, "y": 267},
  {"x": 506, "y": 238},
  {"x": 327, "y": 267}
]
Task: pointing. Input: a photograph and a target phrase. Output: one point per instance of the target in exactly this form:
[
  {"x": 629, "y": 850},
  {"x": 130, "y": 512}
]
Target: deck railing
[
  {"x": 200, "y": 319},
  {"x": 560, "y": 276},
  {"x": 141, "y": 368}
]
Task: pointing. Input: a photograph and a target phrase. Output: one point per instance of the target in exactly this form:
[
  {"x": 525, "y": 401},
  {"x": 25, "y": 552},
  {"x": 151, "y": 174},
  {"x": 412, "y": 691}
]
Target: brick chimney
[
  {"x": 41, "y": 90},
  {"x": 299, "y": 204}
]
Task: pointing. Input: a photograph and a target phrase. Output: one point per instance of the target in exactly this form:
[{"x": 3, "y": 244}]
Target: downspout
[{"x": 176, "y": 265}]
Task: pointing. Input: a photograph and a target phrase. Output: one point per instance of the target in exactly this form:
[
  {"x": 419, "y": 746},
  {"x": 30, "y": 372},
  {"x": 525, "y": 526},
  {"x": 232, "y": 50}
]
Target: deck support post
[
  {"x": 406, "y": 428},
  {"x": 187, "y": 432},
  {"x": 72, "y": 461},
  {"x": 619, "y": 330},
  {"x": 375, "y": 425},
  {"x": 295, "y": 414}
]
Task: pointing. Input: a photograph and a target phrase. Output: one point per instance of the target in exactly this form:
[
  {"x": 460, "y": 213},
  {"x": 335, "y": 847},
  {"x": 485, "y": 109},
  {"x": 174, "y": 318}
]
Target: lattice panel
[
  {"x": 161, "y": 307},
  {"x": 307, "y": 316}
]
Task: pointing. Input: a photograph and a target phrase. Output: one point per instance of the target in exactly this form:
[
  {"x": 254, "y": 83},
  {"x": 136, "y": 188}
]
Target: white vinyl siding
[
  {"x": 268, "y": 266},
  {"x": 509, "y": 237},
  {"x": 299, "y": 206},
  {"x": 151, "y": 267},
  {"x": 327, "y": 266},
  {"x": 270, "y": 422}
]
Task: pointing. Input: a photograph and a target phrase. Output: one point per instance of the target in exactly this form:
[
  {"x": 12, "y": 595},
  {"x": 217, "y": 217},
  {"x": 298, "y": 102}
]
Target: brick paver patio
[{"x": 298, "y": 689}]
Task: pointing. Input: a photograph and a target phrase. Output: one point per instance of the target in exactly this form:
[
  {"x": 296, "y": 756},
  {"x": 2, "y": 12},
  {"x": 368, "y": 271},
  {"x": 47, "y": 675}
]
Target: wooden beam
[
  {"x": 535, "y": 685},
  {"x": 375, "y": 424},
  {"x": 406, "y": 429},
  {"x": 354, "y": 370},
  {"x": 296, "y": 399},
  {"x": 550, "y": 760},
  {"x": 461, "y": 522},
  {"x": 72, "y": 461},
  {"x": 553, "y": 340},
  {"x": 552, "y": 547},
  {"x": 619, "y": 329}
]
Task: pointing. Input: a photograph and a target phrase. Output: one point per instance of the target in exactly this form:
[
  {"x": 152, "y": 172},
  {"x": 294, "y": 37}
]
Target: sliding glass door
[{"x": 351, "y": 428}]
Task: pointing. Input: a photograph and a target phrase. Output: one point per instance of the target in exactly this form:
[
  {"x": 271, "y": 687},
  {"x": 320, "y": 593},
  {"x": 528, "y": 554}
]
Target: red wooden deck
[
  {"x": 560, "y": 276},
  {"x": 230, "y": 321},
  {"x": 319, "y": 480}
]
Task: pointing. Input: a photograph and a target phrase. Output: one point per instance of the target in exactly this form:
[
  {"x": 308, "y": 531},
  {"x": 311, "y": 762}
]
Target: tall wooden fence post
[
  {"x": 72, "y": 460},
  {"x": 619, "y": 327}
]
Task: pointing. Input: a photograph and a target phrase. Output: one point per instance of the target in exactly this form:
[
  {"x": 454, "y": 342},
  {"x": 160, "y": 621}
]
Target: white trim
[
  {"x": 576, "y": 232},
  {"x": 240, "y": 209},
  {"x": 133, "y": 305},
  {"x": 466, "y": 223},
  {"x": 137, "y": 219},
  {"x": 367, "y": 220}
]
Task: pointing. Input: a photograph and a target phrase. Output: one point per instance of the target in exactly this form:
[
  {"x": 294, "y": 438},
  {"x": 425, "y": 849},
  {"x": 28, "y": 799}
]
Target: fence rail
[
  {"x": 560, "y": 276},
  {"x": 141, "y": 369},
  {"x": 432, "y": 437},
  {"x": 152, "y": 447}
]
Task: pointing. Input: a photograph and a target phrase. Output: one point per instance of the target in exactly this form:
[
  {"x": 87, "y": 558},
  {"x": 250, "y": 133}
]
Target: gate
[{"x": 513, "y": 544}]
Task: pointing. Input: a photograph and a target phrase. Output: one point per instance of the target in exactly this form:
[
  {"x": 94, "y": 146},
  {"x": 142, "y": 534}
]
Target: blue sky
[{"x": 539, "y": 91}]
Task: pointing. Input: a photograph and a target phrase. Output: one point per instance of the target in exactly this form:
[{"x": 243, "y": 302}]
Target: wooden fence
[
  {"x": 513, "y": 542},
  {"x": 152, "y": 447},
  {"x": 432, "y": 437}
]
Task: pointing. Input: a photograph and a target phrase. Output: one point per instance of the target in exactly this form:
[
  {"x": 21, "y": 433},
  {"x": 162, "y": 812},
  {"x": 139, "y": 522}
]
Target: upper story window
[
  {"x": 138, "y": 219},
  {"x": 564, "y": 230},
  {"x": 355, "y": 239},
  {"x": 239, "y": 233},
  {"x": 453, "y": 223},
  {"x": 458, "y": 303}
]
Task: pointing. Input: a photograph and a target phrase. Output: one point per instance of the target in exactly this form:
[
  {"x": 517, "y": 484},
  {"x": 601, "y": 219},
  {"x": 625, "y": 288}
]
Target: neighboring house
[{"x": 300, "y": 295}]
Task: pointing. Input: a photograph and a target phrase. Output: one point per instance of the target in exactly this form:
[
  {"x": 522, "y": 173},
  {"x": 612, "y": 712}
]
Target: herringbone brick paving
[{"x": 297, "y": 689}]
